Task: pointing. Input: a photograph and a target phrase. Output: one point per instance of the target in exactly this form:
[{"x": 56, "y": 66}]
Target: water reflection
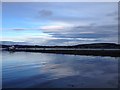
[{"x": 24, "y": 69}]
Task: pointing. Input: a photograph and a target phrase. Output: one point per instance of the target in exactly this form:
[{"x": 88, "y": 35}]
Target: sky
[{"x": 60, "y": 23}]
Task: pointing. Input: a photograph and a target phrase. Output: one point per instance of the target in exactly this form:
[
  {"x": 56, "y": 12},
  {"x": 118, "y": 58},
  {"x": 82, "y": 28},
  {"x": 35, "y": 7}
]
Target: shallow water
[{"x": 27, "y": 70}]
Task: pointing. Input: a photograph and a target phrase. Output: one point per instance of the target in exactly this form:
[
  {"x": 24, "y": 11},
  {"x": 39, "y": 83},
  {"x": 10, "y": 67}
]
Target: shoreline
[{"x": 102, "y": 52}]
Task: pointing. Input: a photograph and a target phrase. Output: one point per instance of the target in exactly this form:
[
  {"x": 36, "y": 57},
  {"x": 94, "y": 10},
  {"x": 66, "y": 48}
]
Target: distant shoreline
[
  {"x": 112, "y": 53},
  {"x": 95, "y": 49}
]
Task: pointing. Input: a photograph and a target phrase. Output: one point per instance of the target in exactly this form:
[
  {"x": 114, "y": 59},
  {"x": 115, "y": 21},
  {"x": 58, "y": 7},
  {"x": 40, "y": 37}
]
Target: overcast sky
[{"x": 60, "y": 23}]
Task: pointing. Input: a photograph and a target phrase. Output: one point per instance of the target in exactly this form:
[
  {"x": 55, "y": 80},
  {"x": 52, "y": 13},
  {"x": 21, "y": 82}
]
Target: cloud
[
  {"x": 56, "y": 27},
  {"x": 16, "y": 29},
  {"x": 115, "y": 13},
  {"x": 62, "y": 41},
  {"x": 19, "y": 29},
  {"x": 64, "y": 35},
  {"x": 47, "y": 40},
  {"x": 52, "y": 27},
  {"x": 45, "y": 13}
]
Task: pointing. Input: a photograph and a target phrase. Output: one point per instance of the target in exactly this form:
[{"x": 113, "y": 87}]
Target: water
[{"x": 27, "y": 70}]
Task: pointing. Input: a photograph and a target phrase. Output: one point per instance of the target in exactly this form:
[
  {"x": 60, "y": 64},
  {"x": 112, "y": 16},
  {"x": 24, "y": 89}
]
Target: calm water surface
[{"x": 27, "y": 70}]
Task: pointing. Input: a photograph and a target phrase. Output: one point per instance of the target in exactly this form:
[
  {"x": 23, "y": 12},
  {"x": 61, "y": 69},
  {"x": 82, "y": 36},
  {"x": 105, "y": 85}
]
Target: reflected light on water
[{"x": 24, "y": 69}]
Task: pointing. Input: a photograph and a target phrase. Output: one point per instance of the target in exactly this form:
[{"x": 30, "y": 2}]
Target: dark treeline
[{"x": 94, "y": 45}]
